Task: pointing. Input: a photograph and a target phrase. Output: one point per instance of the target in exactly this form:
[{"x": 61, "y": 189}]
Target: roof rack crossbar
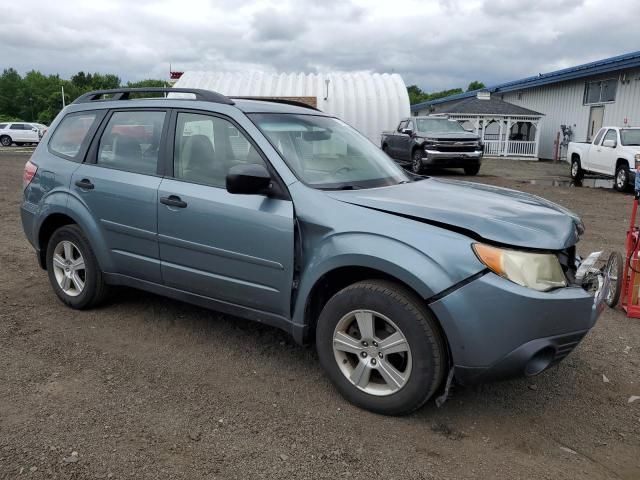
[{"x": 123, "y": 94}]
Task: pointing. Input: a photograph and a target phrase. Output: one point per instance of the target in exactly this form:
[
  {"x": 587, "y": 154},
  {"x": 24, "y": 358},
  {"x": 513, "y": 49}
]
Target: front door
[
  {"x": 596, "y": 116},
  {"x": 603, "y": 157},
  {"x": 234, "y": 248},
  {"x": 404, "y": 143},
  {"x": 120, "y": 188}
]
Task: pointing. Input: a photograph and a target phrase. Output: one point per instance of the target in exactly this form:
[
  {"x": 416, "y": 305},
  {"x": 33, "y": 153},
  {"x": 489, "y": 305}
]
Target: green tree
[
  {"x": 147, "y": 83},
  {"x": 38, "y": 98},
  {"x": 475, "y": 85}
]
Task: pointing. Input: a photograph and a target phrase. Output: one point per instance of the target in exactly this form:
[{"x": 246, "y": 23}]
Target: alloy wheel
[
  {"x": 372, "y": 352},
  {"x": 69, "y": 268},
  {"x": 416, "y": 164},
  {"x": 621, "y": 179},
  {"x": 574, "y": 169}
]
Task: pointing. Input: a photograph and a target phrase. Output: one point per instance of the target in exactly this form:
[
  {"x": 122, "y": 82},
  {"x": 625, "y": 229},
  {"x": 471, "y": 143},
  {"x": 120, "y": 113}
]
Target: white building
[
  {"x": 584, "y": 98},
  {"x": 370, "y": 102}
]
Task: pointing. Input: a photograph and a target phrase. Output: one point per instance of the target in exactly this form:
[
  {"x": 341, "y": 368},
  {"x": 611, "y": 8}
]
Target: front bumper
[
  {"x": 497, "y": 329},
  {"x": 451, "y": 159}
]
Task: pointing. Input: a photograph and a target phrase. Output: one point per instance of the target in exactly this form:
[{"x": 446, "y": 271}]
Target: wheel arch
[
  {"x": 620, "y": 161},
  {"x": 77, "y": 213},
  {"x": 50, "y": 224}
]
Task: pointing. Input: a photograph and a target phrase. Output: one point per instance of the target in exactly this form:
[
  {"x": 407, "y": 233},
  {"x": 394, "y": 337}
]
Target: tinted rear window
[{"x": 71, "y": 134}]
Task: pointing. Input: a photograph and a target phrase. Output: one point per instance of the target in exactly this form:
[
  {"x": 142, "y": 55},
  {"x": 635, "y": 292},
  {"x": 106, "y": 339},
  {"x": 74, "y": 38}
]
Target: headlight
[{"x": 539, "y": 271}]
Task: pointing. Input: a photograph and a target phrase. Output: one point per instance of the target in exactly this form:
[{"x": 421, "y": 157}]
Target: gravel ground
[{"x": 146, "y": 387}]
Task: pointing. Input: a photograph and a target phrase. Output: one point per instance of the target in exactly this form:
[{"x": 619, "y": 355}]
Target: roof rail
[
  {"x": 284, "y": 101},
  {"x": 123, "y": 94}
]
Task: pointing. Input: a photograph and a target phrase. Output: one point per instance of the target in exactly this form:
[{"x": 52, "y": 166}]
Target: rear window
[{"x": 71, "y": 134}]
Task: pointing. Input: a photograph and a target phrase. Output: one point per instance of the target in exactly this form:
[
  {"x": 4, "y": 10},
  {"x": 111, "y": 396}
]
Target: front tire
[
  {"x": 416, "y": 162},
  {"x": 471, "y": 169},
  {"x": 621, "y": 180},
  {"x": 73, "y": 270},
  {"x": 381, "y": 347},
  {"x": 5, "y": 141}
]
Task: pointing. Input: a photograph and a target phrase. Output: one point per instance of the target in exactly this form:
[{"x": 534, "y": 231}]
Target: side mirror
[
  {"x": 34, "y": 129},
  {"x": 609, "y": 143},
  {"x": 248, "y": 179},
  {"x": 407, "y": 131}
]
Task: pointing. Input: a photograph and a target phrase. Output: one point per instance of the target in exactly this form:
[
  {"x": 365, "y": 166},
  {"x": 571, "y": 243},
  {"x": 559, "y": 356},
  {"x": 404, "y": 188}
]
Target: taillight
[{"x": 30, "y": 170}]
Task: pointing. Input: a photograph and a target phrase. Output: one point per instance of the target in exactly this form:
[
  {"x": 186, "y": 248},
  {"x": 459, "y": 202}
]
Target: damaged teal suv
[{"x": 276, "y": 212}]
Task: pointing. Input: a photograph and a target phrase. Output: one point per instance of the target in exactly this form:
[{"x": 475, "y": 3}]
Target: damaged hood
[{"x": 492, "y": 213}]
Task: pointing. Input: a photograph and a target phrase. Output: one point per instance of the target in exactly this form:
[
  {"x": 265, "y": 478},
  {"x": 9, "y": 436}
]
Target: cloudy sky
[{"x": 435, "y": 44}]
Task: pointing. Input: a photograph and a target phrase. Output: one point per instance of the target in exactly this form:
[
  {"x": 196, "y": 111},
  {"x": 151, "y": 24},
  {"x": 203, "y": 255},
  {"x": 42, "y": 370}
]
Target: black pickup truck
[{"x": 433, "y": 141}]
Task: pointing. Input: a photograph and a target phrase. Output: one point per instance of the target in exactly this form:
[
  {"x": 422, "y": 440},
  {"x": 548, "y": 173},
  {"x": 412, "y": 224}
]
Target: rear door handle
[
  {"x": 173, "y": 201},
  {"x": 85, "y": 184}
]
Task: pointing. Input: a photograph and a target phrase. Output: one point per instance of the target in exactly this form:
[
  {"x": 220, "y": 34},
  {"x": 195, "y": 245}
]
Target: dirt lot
[{"x": 146, "y": 387}]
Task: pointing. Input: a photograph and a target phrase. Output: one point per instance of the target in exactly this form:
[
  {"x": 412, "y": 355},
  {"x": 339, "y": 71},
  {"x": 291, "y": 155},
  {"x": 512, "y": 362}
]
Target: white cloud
[{"x": 434, "y": 44}]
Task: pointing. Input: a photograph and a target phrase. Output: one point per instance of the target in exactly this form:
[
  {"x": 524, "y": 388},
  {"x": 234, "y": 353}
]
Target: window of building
[
  {"x": 600, "y": 91},
  {"x": 71, "y": 134},
  {"x": 131, "y": 142},
  {"x": 206, "y": 147}
]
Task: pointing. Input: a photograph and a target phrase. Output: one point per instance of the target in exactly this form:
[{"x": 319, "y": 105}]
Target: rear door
[
  {"x": 237, "y": 249},
  {"x": 590, "y": 160},
  {"x": 18, "y": 132},
  {"x": 119, "y": 185}
]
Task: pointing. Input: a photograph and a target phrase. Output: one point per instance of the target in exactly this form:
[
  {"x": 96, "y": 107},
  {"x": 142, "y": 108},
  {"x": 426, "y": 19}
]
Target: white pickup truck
[{"x": 614, "y": 151}]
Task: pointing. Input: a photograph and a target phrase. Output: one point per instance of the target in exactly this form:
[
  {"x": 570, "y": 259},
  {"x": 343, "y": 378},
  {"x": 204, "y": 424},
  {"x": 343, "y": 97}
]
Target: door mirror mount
[
  {"x": 248, "y": 179},
  {"x": 407, "y": 131},
  {"x": 609, "y": 143}
]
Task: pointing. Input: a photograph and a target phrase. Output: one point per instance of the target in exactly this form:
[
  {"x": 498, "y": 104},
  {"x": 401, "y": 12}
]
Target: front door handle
[
  {"x": 173, "y": 201},
  {"x": 85, "y": 184}
]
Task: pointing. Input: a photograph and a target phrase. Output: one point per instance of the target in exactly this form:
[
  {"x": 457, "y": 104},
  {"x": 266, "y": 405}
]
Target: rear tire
[
  {"x": 5, "y": 141},
  {"x": 73, "y": 270},
  {"x": 577, "y": 173},
  {"x": 621, "y": 180},
  {"x": 471, "y": 169},
  {"x": 418, "y": 359}
]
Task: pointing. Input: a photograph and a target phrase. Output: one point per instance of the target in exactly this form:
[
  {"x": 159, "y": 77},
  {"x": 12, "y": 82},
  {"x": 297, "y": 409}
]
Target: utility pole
[{"x": 63, "y": 103}]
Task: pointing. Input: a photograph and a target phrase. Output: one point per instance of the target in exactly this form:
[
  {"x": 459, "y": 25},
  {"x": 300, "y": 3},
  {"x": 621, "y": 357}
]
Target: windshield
[
  {"x": 439, "y": 125},
  {"x": 326, "y": 153},
  {"x": 629, "y": 136}
]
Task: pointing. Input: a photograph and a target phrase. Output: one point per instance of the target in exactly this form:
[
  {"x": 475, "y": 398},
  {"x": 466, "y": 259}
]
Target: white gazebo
[{"x": 507, "y": 130}]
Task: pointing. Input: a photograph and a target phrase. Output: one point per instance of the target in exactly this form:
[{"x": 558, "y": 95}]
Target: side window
[
  {"x": 71, "y": 133},
  {"x": 611, "y": 135},
  {"x": 206, "y": 147},
  {"x": 403, "y": 125},
  {"x": 596, "y": 141},
  {"x": 3, "y": 126},
  {"x": 16, "y": 126},
  {"x": 131, "y": 141}
]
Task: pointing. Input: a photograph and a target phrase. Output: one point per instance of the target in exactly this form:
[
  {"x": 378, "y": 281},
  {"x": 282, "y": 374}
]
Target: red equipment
[{"x": 631, "y": 275}]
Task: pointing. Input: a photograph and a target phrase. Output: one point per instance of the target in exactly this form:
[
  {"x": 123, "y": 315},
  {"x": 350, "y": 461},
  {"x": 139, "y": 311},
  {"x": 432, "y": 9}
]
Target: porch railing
[{"x": 515, "y": 148}]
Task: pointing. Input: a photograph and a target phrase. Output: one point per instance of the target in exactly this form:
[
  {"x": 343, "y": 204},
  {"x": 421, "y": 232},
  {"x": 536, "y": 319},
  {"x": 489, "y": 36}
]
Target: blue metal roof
[{"x": 619, "y": 62}]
